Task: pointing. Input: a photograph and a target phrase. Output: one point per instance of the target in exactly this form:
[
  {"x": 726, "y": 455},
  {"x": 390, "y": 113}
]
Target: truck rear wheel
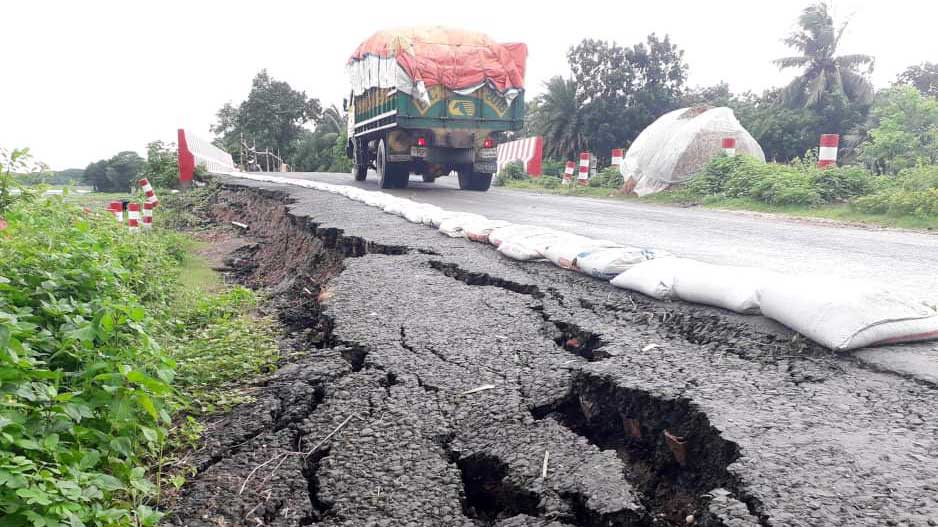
[
  {"x": 359, "y": 160},
  {"x": 390, "y": 175},
  {"x": 469, "y": 180}
]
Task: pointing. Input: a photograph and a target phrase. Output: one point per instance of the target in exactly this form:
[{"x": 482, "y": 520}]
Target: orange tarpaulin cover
[{"x": 455, "y": 58}]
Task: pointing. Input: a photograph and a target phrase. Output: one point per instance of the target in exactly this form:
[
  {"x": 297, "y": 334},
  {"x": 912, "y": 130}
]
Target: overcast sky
[{"x": 84, "y": 80}]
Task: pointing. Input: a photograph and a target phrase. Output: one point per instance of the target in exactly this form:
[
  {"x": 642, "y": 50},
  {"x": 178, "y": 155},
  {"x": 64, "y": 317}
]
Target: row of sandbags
[{"x": 838, "y": 314}]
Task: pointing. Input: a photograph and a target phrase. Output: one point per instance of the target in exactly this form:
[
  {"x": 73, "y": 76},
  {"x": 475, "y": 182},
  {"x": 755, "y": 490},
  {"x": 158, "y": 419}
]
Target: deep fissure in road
[
  {"x": 670, "y": 450},
  {"x": 297, "y": 260}
]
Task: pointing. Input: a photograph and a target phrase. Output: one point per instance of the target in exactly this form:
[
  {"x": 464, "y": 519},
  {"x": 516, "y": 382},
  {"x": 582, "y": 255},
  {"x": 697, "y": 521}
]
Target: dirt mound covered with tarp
[
  {"x": 679, "y": 144},
  {"x": 413, "y": 59}
]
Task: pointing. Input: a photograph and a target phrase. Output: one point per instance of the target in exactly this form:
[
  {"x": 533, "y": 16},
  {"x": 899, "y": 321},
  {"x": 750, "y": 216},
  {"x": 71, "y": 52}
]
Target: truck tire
[
  {"x": 390, "y": 175},
  {"x": 359, "y": 161},
  {"x": 469, "y": 180}
]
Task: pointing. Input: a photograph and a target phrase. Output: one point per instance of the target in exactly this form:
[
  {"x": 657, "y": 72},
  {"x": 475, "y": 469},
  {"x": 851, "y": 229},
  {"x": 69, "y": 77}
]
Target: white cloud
[{"x": 85, "y": 80}]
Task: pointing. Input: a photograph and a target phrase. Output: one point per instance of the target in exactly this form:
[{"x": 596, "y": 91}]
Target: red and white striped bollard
[
  {"x": 827, "y": 154},
  {"x": 147, "y": 215},
  {"x": 117, "y": 209},
  {"x": 729, "y": 146},
  {"x": 617, "y": 157},
  {"x": 133, "y": 216},
  {"x": 583, "y": 177},
  {"x": 568, "y": 172},
  {"x": 148, "y": 190}
]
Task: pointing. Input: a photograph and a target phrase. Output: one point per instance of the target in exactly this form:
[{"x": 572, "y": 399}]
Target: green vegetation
[
  {"x": 904, "y": 133},
  {"x": 272, "y": 117},
  {"x": 117, "y": 174},
  {"x": 104, "y": 352},
  {"x": 513, "y": 171},
  {"x": 11, "y": 189}
]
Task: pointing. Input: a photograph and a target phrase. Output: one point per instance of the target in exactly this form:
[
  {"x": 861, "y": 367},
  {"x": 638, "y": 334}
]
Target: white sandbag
[
  {"x": 398, "y": 206},
  {"x": 844, "y": 315},
  {"x": 564, "y": 251},
  {"x": 609, "y": 262},
  {"x": 540, "y": 242},
  {"x": 497, "y": 236},
  {"x": 455, "y": 226},
  {"x": 727, "y": 286},
  {"x": 479, "y": 231},
  {"x": 437, "y": 219},
  {"x": 517, "y": 251},
  {"x": 378, "y": 199},
  {"x": 419, "y": 212},
  {"x": 654, "y": 278}
]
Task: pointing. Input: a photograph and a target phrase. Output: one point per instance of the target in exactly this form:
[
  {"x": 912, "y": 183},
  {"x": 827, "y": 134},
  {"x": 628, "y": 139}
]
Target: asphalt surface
[{"x": 436, "y": 383}]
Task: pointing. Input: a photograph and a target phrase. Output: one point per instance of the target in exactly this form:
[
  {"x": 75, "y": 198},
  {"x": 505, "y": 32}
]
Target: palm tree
[
  {"x": 823, "y": 71},
  {"x": 560, "y": 115},
  {"x": 332, "y": 121}
]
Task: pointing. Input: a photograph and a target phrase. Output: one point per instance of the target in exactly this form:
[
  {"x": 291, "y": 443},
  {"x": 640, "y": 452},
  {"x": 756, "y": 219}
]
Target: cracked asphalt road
[{"x": 456, "y": 370}]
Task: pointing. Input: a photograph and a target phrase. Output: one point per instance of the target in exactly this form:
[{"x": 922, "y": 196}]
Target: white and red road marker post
[
  {"x": 827, "y": 155},
  {"x": 148, "y": 215},
  {"x": 583, "y": 177},
  {"x": 618, "y": 156},
  {"x": 568, "y": 172},
  {"x": 133, "y": 217},
  {"x": 117, "y": 209},
  {"x": 729, "y": 146},
  {"x": 148, "y": 191}
]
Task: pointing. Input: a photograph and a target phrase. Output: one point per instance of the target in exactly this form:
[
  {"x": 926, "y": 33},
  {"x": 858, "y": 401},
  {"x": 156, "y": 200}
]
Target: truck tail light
[
  {"x": 421, "y": 141},
  {"x": 488, "y": 143}
]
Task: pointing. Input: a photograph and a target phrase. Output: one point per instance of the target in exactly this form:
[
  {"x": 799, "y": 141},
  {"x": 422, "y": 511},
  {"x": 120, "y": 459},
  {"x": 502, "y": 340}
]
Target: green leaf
[
  {"x": 137, "y": 314},
  {"x": 50, "y": 442},
  {"x": 122, "y": 445},
  {"x": 149, "y": 434},
  {"x": 107, "y": 323},
  {"x": 34, "y": 496},
  {"x": 90, "y": 459},
  {"x": 147, "y": 404},
  {"x": 27, "y": 444},
  {"x": 107, "y": 482}
]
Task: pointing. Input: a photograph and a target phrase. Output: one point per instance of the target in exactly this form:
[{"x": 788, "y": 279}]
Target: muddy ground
[{"x": 440, "y": 384}]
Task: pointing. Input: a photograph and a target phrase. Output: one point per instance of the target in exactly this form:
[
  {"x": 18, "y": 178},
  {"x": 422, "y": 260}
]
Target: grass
[
  {"x": 838, "y": 212},
  {"x": 568, "y": 190},
  {"x": 196, "y": 273}
]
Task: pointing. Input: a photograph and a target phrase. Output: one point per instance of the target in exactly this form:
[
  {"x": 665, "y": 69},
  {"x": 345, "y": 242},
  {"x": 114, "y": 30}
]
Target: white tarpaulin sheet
[{"x": 679, "y": 144}]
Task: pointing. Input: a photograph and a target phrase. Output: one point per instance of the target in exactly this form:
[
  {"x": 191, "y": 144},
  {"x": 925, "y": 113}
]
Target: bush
[
  {"x": 923, "y": 177},
  {"x": 513, "y": 171},
  {"x": 162, "y": 166},
  {"x": 552, "y": 167},
  {"x": 549, "y": 181},
  {"x": 86, "y": 389},
  {"x": 898, "y": 202},
  {"x": 842, "y": 184},
  {"x": 609, "y": 177}
]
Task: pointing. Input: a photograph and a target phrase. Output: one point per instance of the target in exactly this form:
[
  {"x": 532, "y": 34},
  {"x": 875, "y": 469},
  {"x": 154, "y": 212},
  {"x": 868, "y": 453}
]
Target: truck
[{"x": 431, "y": 102}]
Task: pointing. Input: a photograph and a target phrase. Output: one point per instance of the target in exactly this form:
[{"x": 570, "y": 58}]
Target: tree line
[{"x": 615, "y": 91}]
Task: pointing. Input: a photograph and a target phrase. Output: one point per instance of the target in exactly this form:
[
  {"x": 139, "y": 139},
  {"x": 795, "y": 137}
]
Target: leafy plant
[
  {"x": 162, "y": 165},
  {"x": 11, "y": 190},
  {"x": 86, "y": 389},
  {"x": 609, "y": 177},
  {"x": 513, "y": 171}
]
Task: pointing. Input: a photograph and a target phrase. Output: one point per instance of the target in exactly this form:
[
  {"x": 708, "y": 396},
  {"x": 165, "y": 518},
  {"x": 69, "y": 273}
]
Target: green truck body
[{"x": 399, "y": 134}]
